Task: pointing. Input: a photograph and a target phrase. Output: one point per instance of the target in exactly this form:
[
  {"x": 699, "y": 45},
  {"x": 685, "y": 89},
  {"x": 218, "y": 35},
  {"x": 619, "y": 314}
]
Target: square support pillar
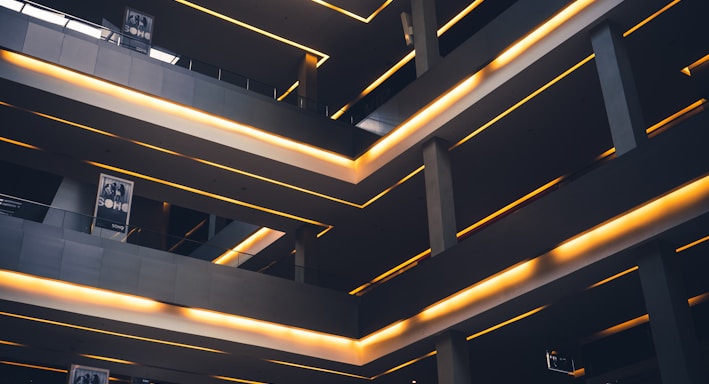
[
  {"x": 423, "y": 16},
  {"x": 676, "y": 345},
  {"x": 306, "y": 262},
  {"x": 452, "y": 358},
  {"x": 440, "y": 203},
  {"x": 620, "y": 95}
]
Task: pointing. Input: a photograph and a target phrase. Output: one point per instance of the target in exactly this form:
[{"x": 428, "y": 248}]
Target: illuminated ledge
[
  {"x": 618, "y": 234},
  {"x": 86, "y": 89}
]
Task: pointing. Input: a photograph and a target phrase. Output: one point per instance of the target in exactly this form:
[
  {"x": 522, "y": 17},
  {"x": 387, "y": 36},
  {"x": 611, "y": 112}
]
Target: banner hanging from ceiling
[{"x": 113, "y": 203}]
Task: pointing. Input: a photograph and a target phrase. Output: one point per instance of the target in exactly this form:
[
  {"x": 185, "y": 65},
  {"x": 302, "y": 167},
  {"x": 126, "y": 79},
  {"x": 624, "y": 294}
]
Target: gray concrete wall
[
  {"x": 57, "y": 253},
  {"x": 123, "y": 66}
]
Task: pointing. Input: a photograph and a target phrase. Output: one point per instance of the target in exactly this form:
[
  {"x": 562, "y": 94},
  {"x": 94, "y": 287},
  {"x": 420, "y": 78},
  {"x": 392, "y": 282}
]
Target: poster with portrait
[
  {"x": 79, "y": 374},
  {"x": 138, "y": 28},
  {"x": 113, "y": 202}
]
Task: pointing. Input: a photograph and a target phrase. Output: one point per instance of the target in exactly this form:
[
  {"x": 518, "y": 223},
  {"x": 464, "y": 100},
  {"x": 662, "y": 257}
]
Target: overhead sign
[
  {"x": 113, "y": 203},
  {"x": 560, "y": 363},
  {"x": 138, "y": 26},
  {"x": 79, "y": 374}
]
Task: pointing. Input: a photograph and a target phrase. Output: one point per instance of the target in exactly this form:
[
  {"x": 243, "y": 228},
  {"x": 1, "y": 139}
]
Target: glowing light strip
[
  {"x": 617, "y": 275},
  {"x": 247, "y": 247},
  {"x": 692, "y": 244},
  {"x": 681, "y": 113},
  {"x": 353, "y": 15},
  {"x": 109, "y": 359},
  {"x": 317, "y": 369},
  {"x": 110, "y": 333},
  {"x": 409, "y": 56},
  {"x": 650, "y": 18},
  {"x": 235, "y": 380},
  {"x": 33, "y": 366},
  {"x": 11, "y": 343},
  {"x": 207, "y": 194},
  {"x": 173, "y": 109},
  {"x": 398, "y": 183},
  {"x": 323, "y": 57},
  {"x": 404, "y": 365},
  {"x": 511, "y": 206},
  {"x": 524, "y": 100},
  {"x": 171, "y": 152},
  {"x": 288, "y": 91},
  {"x": 409, "y": 263},
  {"x": 507, "y": 322},
  {"x": 458, "y": 17},
  {"x": 688, "y": 69},
  {"x": 19, "y": 143}
]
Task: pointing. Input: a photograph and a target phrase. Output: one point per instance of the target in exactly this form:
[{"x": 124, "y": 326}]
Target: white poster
[{"x": 113, "y": 203}]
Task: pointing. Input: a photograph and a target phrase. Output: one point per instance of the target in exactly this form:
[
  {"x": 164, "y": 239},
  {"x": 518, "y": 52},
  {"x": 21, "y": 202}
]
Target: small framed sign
[
  {"x": 138, "y": 27},
  {"x": 79, "y": 374}
]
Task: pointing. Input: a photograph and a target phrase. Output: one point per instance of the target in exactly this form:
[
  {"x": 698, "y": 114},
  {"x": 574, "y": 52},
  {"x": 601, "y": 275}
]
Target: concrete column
[
  {"x": 439, "y": 196},
  {"x": 676, "y": 346},
  {"x": 618, "y": 86},
  {"x": 423, "y": 17},
  {"x": 306, "y": 260},
  {"x": 308, "y": 82},
  {"x": 452, "y": 358},
  {"x": 72, "y": 206}
]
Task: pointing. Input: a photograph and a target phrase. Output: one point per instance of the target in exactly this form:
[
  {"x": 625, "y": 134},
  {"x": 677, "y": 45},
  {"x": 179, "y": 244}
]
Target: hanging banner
[
  {"x": 79, "y": 374},
  {"x": 138, "y": 27},
  {"x": 113, "y": 203}
]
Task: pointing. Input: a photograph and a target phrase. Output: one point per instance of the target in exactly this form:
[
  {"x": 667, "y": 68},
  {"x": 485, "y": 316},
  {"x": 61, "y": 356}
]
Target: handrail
[{"x": 119, "y": 38}]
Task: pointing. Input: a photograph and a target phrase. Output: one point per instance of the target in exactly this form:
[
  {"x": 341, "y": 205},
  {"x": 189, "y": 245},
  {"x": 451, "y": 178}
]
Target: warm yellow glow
[
  {"x": 692, "y": 244},
  {"x": 248, "y": 245},
  {"x": 633, "y": 220},
  {"x": 409, "y": 56},
  {"x": 684, "y": 112},
  {"x": 76, "y": 292},
  {"x": 579, "y": 372},
  {"x": 374, "y": 84},
  {"x": 317, "y": 369},
  {"x": 288, "y": 91},
  {"x": 698, "y": 299},
  {"x": 323, "y": 57},
  {"x": 172, "y": 108},
  {"x": 650, "y": 18},
  {"x": 171, "y": 152},
  {"x": 235, "y": 380},
  {"x": 276, "y": 182},
  {"x": 403, "y": 365},
  {"x": 272, "y": 330},
  {"x": 391, "y": 272},
  {"x": 458, "y": 17},
  {"x": 205, "y": 193},
  {"x": 496, "y": 283},
  {"x": 109, "y": 359},
  {"x": 639, "y": 320},
  {"x": 19, "y": 143},
  {"x": 688, "y": 69},
  {"x": 539, "y": 33},
  {"x": 523, "y": 101},
  {"x": 5, "y": 342},
  {"x": 33, "y": 366},
  {"x": 510, "y": 206},
  {"x": 352, "y": 14},
  {"x": 504, "y": 323},
  {"x": 617, "y": 275},
  {"x": 110, "y": 333},
  {"x": 398, "y": 183},
  {"x": 622, "y": 326}
]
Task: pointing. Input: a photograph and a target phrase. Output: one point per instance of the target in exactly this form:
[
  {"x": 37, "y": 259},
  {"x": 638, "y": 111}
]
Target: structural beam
[{"x": 620, "y": 95}]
